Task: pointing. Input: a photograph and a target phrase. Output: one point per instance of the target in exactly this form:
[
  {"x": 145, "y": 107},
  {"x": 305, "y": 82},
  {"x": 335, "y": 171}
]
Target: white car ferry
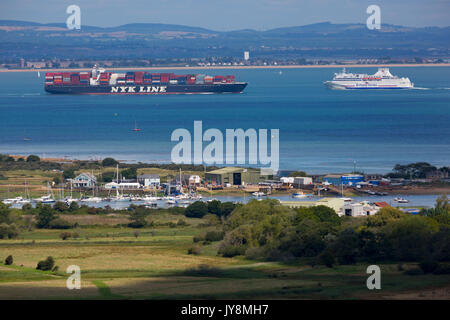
[{"x": 382, "y": 79}]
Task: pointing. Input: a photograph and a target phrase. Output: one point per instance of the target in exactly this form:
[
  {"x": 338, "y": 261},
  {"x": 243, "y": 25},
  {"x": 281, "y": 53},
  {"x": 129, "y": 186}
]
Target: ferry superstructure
[{"x": 382, "y": 79}]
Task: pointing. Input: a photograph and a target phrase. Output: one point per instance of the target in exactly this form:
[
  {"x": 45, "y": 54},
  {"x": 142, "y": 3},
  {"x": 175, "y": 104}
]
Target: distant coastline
[{"x": 240, "y": 67}]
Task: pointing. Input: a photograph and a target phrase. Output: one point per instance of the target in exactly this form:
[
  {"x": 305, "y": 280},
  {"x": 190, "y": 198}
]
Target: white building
[
  {"x": 149, "y": 180},
  {"x": 84, "y": 180},
  {"x": 359, "y": 209},
  {"x": 122, "y": 185},
  {"x": 195, "y": 180},
  {"x": 246, "y": 55},
  {"x": 287, "y": 180},
  {"x": 301, "y": 181}
]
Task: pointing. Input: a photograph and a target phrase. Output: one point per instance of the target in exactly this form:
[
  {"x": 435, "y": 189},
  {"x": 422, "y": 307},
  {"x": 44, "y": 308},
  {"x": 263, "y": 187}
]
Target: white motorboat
[{"x": 401, "y": 200}]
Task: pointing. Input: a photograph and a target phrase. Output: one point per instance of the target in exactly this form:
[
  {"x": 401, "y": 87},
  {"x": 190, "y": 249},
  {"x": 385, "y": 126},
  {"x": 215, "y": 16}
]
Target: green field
[{"x": 118, "y": 263}]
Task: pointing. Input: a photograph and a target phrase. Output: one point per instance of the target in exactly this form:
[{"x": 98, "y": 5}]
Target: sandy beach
[{"x": 240, "y": 67}]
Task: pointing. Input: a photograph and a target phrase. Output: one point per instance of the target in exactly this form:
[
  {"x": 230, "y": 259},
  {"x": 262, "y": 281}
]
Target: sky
[{"x": 225, "y": 15}]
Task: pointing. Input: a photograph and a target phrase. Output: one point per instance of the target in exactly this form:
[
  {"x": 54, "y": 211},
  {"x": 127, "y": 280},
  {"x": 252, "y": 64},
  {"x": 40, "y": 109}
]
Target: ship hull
[
  {"x": 341, "y": 86},
  {"x": 148, "y": 89}
]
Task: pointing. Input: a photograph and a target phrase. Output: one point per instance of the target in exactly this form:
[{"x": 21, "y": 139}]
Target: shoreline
[{"x": 238, "y": 67}]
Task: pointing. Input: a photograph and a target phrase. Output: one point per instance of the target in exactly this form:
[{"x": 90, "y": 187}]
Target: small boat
[
  {"x": 401, "y": 200},
  {"x": 150, "y": 205},
  {"x": 258, "y": 194},
  {"x": 135, "y": 127},
  {"x": 299, "y": 195},
  {"x": 45, "y": 199},
  {"x": 9, "y": 201},
  {"x": 149, "y": 199},
  {"x": 91, "y": 199},
  {"x": 171, "y": 202},
  {"x": 120, "y": 198}
]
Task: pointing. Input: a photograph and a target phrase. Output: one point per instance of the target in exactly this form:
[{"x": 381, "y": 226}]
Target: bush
[
  {"x": 198, "y": 238},
  {"x": 256, "y": 253},
  {"x": 414, "y": 272},
  {"x": 33, "y": 158},
  {"x": 326, "y": 258},
  {"x": 203, "y": 270},
  {"x": 109, "y": 162},
  {"x": 46, "y": 265},
  {"x": 428, "y": 266},
  {"x": 197, "y": 209},
  {"x": 45, "y": 216},
  {"x": 74, "y": 206},
  {"x": 230, "y": 251},
  {"x": 442, "y": 269},
  {"x": 65, "y": 235},
  {"x": 8, "y": 231},
  {"x": 60, "y": 206},
  {"x": 69, "y": 174},
  {"x": 182, "y": 223},
  {"x": 195, "y": 250},
  {"x": 214, "y": 236},
  {"x": 9, "y": 260},
  {"x": 59, "y": 223}
]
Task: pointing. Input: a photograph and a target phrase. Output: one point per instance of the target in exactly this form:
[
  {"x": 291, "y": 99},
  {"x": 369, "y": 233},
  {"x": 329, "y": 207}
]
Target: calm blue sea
[{"x": 321, "y": 130}]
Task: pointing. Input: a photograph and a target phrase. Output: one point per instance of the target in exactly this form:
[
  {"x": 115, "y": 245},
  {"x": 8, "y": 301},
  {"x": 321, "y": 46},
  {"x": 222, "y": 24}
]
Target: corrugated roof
[
  {"x": 148, "y": 176},
  {"x": 232, "y": 169}
]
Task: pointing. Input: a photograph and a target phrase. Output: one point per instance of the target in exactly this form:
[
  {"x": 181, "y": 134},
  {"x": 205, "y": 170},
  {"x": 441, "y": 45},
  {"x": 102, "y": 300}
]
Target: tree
[
  {"x": 8, "y": 231},
  {"x": 9, "y": 260},
  {"x": 226, "y": 208},
  {"x": 326, "y": 258},
  {"x": 60, "y": 206},
  {"x": 74, "y": 206},
  {"x": 298, "y": 174},
  {"x": 197, "y": 209},
  {"x": 65, "y": 235},
  {"x": 346, "y": 247},
  {"x": 109, "y": 162},
  {"x": 130, "y": 173},
  {"x": 5, "y": 212},
  {"x": 69, "y": 174},
  {"x": 384, "y": 216},
  {"x": 138, "y": 218},
  {"x": 45, "y": 216},
  {"x": 326, "y": 214},
  {"x": 46, "y": 265},
  {"x": 108, "y": 176},
  {"x": 214, "y": 207},
  {"x": 33, "y": 158}
]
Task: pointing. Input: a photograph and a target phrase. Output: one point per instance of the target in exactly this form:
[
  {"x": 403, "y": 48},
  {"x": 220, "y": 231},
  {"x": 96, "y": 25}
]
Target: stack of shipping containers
[{"x": 84, "y": 78}]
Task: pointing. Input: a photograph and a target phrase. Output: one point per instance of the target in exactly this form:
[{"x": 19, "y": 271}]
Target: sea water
[{"x": 321, "y": 130}]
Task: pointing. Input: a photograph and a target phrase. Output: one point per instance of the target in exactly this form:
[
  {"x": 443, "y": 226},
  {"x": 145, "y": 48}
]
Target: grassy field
[{"x": 118, "y": 263}]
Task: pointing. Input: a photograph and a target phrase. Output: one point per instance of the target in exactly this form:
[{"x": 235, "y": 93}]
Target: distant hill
[{"x": 153, "y": 40}]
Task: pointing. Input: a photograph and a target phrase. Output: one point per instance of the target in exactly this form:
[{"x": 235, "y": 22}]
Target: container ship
[
  {"x": 382, "y": 79},
  {"x": 98, "y": 81}
]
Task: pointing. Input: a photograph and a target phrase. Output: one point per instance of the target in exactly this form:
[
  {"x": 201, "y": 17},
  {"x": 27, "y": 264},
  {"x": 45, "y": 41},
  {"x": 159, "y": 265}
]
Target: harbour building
[
  {"x": 343, "y": 179},
  {"x": 236, "y": 176}
]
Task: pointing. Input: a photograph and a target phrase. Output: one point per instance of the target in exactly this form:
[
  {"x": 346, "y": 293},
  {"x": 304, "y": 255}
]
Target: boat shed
[{"x": 236, "y": 176}]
